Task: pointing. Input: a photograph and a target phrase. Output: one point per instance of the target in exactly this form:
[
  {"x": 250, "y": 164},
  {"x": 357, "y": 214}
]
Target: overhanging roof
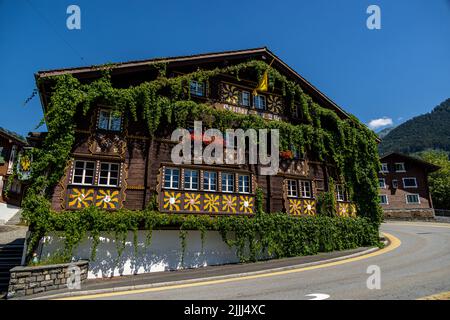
[{"x": 429, "y": 166}]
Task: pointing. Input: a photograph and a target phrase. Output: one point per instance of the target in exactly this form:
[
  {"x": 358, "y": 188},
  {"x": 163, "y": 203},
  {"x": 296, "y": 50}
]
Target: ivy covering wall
[{"x": 344, "y": 143}]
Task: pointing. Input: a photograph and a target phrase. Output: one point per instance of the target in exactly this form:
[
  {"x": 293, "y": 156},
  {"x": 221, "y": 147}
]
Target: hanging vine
[{"x": 345, "y": 143}]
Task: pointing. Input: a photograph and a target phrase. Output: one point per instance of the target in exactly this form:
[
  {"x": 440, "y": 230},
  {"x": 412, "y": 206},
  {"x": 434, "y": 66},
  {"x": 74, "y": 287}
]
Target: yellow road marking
[
  {"x": 438, "y": 296},
  {"x": 394, "y": 244}
]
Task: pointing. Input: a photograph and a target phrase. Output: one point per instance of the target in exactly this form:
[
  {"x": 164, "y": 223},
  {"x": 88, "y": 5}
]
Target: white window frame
[
  {"x": 305, "y": 192},
  {"x": 410, "y": 187},
  {"x": 241, "y": 98},
  {"x": 340, "y": 193},
  {"x": 403, "y": 165},
  {"x": 207, "y": 184},
  {"x": 384, "y": 183},
  {"x": 386, "y": 197},
  {"x": 190, "y": 180},
  {"x": 108, "y": 178},
  {"x": 290, "y": 190},
  {"x": 395, "y": 181},
  {"x": 197, "y": 88},
  {"x": 384, "y": 167},
  {"x": 110, "y": 119},
  {"x": 171, "y": 179},
  {"x": 244, "y": 187},
  {"x": 257, "y": 97},
  {"x": 83, "y": 176},
  {"x": 228, "y": 184},
  {"x": 412, "y": 194}
]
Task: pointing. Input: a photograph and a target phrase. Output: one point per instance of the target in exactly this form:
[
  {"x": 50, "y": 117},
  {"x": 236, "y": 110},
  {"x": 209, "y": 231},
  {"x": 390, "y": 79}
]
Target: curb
[{"x": 188, "y": 281}]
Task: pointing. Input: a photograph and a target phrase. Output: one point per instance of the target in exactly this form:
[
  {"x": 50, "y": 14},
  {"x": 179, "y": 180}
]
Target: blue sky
[{"x": 397, "y": 72}]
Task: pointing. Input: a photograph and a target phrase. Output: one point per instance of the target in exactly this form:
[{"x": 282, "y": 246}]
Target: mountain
[
  {"x": 383, "y": 133},
  {"x": 427, "y": 131}
]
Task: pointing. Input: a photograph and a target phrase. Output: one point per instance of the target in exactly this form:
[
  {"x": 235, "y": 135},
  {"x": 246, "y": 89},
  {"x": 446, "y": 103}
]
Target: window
[
  {"x": 340, "y": 193},
  {"x": 383, "y": 199},
  {"x": 399, "y": 167},
  {"x": 197, "y": 88},
  {"x": 292, "y": 188},
  {"x": 209, "y": 181},
  {"x": 109, "y": 120},
  {"x": 109, "y": 174},
  {"x": 382, "y": 183},
  {"x": 227, "y": 182},
  {"x": 244, "y": 98},
  {"x": 412, "y": 199},
  {"x": 190, "y": 179},
  {"x": 305, "y": 188},
  {"x": 394, "y": 184},
  {"x": 384, "y": 167},
  {"x": 12, "y": 159},
  {"x": 259, "y": 102},
  {"x": 409, "y": 183},
  {"x": 244, "y": 184},
  {"x": 171, "y": 178},
  {"x": 83, "y": 172}
]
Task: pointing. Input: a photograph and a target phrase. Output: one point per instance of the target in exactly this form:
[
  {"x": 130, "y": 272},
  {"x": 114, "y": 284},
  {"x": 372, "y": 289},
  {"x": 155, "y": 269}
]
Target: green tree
[{"x": 440, "y": 180}]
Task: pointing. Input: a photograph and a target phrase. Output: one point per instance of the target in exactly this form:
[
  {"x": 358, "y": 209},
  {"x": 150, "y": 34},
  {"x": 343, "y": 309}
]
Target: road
[{"x": 418, "y": 267}]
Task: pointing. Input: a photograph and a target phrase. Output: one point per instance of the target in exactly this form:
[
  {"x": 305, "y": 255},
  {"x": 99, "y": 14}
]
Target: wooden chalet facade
[
  {"x": 117, "y": 164},
  {"x": 11, "y": 144},
  {"x": 404, "y": 191}
]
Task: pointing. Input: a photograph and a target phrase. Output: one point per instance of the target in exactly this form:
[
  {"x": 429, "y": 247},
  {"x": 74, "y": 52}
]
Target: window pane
[
  {"x": 103, "y": 121},
  {"x": 227, "y": 182},
  {"x": 77, "y": 179},
  {"x": 115, "y": 122},
  {"x": 103, "y": 180},
  {"x": 244, "y": 184}
]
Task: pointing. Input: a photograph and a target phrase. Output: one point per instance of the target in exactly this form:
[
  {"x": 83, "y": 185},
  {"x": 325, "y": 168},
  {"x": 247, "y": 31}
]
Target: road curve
[{"x": 419, "y": 267}]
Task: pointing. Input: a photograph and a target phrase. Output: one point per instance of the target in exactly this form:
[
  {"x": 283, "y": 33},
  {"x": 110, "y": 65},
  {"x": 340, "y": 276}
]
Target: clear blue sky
[{"x": 397, "y": 72}]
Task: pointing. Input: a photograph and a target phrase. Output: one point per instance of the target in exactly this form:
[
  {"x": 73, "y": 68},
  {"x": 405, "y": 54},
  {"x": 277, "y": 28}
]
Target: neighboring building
[
  {"x": 404, "y": 191},
  {"x": 117, "y": 164},
  {"x": 11, "y": 144}
]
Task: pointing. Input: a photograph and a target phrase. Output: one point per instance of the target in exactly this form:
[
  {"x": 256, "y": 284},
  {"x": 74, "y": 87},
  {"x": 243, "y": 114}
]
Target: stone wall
[
  {"x": 31, "y": 280},
  {"x": 409, "y": 213}
]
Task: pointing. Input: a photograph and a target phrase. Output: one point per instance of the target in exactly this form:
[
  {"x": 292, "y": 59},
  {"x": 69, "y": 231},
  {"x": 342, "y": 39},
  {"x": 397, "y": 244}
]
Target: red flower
[{"x": 287, "y": 154}]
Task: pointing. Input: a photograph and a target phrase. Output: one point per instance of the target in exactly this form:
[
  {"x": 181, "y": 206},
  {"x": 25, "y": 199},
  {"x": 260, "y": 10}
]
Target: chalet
[
  {"x": 115, "y": 162},
  {"x": 11, "y": 144},
  {"x": 404, "y": 191}
]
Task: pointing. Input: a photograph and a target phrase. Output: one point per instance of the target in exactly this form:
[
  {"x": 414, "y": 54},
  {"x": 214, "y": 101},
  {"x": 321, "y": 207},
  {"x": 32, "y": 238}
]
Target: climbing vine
[
  {"x": 345, "y": 144},
  {"x": 265, "y": 235}
]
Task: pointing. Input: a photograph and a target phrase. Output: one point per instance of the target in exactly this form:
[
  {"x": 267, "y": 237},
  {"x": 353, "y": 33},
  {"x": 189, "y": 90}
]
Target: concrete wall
[{"x": 163, "y": 254}]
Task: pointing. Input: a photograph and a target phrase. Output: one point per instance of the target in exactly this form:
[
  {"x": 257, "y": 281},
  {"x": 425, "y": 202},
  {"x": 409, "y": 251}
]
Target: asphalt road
[{"x": 419, "y": 267}]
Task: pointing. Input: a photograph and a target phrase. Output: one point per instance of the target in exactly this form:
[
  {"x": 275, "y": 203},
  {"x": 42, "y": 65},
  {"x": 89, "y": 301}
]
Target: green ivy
[
  {"x": 276, "y": 235},
  {"x": 346, "y": 144}
]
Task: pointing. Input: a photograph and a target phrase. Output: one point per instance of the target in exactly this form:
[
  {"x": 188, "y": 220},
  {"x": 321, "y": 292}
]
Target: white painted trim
[
  {"x": 387, "y": 199},
  {"x": 412, "y": 194},
  {"x": 412, "y": 187},
  {"x": 395, "y": 165}
]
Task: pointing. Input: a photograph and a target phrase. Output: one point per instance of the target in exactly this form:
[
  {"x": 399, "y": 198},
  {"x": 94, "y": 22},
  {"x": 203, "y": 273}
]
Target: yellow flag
[{"x": 263, "y": 83}]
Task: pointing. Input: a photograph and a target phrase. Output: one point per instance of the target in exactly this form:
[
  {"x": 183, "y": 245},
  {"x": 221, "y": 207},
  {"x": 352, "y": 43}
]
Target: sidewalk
[{"x": 192, "y": 275}]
